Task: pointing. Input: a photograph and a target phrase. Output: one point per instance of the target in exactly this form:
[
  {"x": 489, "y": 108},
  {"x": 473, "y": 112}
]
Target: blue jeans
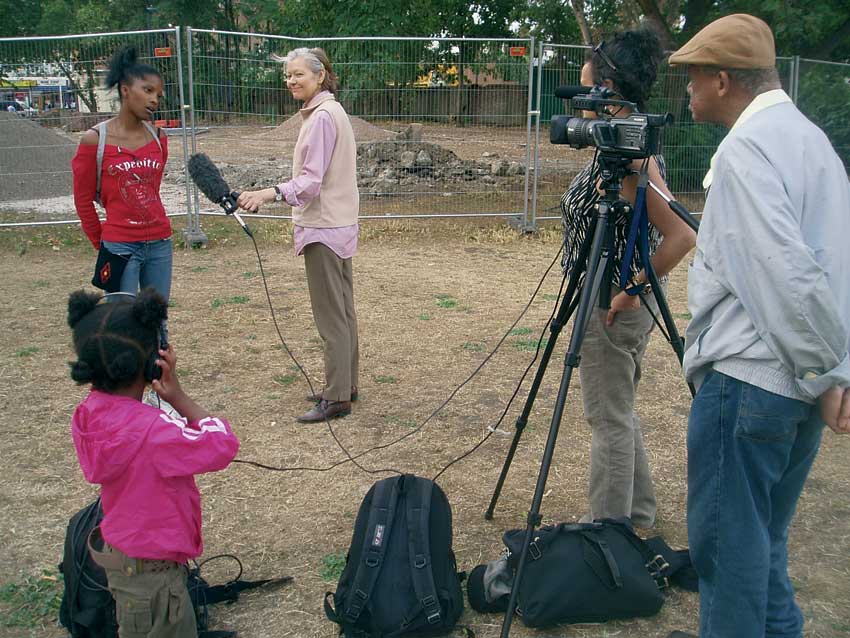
[
  {"x": 149, "y": 265},
  {"x": 749, "y": 453}
]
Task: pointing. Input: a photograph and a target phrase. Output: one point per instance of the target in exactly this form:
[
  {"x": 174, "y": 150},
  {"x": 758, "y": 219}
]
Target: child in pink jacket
[{"x": 144, "y": 459}]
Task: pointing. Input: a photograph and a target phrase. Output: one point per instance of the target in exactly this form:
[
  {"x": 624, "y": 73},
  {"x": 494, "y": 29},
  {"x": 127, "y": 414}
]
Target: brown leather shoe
[
  {"x": 315, "y": 398},
  {"x": 325, "y": 410}
]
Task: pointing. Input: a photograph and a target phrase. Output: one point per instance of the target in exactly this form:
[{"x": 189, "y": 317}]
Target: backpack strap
[
  {"x": 419, "y": 548},
  {"x": 154, "y": 131},
  {"x": 375, "y": 541},
  {"x": 100, "y": 127}
]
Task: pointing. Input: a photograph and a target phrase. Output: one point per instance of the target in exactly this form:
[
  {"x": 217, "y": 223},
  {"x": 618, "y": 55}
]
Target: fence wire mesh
[
  {"x": 52, "y": 89},
  {"x": 445, "y": 127},
  {"x": 442, "y": 125}
]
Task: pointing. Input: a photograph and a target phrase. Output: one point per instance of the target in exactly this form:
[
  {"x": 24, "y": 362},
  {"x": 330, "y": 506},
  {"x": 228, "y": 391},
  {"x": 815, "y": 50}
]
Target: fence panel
[
  {"x": 442, "y": 125},
  {"x": 52, "y": 90},
  {"x": 821, "y": 90}
]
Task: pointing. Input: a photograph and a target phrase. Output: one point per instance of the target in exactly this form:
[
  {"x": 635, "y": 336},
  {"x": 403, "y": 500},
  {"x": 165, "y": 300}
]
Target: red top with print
[{"x": 129, "y": 190}]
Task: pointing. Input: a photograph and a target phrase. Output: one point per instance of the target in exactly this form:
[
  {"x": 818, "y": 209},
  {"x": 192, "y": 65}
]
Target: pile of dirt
[
  {"x": 363, "y": 131},
  {"x": 399, "y": 165},
  {"x": 35, "y": 162}
]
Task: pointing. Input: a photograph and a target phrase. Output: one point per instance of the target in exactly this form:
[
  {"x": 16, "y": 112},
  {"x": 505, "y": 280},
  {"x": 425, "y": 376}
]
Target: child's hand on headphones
[{"x": 168, "y": 385}]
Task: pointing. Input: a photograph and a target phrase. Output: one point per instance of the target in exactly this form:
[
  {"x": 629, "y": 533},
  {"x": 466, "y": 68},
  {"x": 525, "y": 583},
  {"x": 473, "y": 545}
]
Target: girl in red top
[{"x": 133, "y": 162}]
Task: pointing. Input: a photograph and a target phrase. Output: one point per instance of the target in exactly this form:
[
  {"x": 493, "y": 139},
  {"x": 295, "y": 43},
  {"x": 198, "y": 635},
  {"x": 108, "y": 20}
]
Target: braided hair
[
  {"x": 124, "y": 67},
  {"x": 636, "y": 54},
  {"x": 113, "y": 340}
]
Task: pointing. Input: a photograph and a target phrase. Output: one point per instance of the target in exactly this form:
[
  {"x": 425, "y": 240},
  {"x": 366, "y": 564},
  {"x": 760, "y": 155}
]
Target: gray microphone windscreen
[{"x": 207, "y": 177}]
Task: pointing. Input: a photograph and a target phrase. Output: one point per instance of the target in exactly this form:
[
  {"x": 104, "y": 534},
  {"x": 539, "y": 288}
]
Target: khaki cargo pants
[{"x": 151, "y": 598}]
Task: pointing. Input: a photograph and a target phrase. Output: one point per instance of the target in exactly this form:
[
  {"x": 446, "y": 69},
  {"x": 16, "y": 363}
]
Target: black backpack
[
  {"x": 88, "y": 609},
  {"x": 400, "y": 576}
]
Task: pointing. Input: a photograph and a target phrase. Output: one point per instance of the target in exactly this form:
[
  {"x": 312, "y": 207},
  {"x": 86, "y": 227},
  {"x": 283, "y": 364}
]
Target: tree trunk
[
  {"x": 696, "y": 16},
  {"x": 656, "y": 19},
  {"x": 91, "y": 100},
  {"x": 578, "y": 10}
]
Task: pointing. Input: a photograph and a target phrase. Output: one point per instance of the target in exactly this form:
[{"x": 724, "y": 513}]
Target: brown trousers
[
  {"x": 611, "y": 357},
  {"x": 331, "y": 285},
  {"x": 151, "y": 597}
]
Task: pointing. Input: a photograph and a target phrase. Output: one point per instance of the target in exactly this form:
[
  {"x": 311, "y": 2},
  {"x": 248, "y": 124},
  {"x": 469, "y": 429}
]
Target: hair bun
[
  {"x": 81, "y": 372},
  {"x": 123, "y": 366},
  {"x": 121, "y": 60},
  {"x": 150, "y": 308},
  {"x": 81, "y": 303}
]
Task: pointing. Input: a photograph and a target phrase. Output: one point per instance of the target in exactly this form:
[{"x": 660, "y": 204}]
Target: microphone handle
[{"x": 231, "y": 208}]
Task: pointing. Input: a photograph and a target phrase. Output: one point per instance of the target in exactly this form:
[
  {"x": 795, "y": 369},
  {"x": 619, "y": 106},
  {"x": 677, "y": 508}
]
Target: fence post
[
  {"x": 526, "y": 223},
  {"x": 536, "y": 113},
  {"x": 795, "y": 84},
  {"x": 193, "y": 235}
]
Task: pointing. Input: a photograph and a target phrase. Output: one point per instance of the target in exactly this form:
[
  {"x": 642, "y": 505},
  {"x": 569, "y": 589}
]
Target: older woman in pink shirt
[{"x": 325, "y": 205}]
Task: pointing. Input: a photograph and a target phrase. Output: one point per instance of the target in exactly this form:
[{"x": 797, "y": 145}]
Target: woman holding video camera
[
  {"x": 616, "y": 339},
  {"x": 325, "y": 204}
]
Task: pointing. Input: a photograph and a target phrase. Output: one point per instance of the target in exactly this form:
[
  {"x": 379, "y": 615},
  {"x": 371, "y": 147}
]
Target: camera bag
[
  {"x": 87, "y": 609},
  {"x": 591, "y": 572},
  {"x": 400, "y": 576}
]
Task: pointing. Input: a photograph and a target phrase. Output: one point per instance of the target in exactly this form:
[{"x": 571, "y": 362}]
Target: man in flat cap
[{"x": 769, "y": 292}]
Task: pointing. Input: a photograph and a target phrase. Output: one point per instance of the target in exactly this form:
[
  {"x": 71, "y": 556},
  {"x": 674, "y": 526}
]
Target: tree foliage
[{"x": 809, "y": 29}]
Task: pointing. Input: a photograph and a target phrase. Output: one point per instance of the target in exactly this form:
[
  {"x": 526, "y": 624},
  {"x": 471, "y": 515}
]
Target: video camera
[{"x": 636, "y": 136}]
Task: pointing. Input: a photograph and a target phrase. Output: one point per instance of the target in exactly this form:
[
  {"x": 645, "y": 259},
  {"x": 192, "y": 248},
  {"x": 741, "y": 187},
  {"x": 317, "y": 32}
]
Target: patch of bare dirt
[{"x": 414, "y": 351}]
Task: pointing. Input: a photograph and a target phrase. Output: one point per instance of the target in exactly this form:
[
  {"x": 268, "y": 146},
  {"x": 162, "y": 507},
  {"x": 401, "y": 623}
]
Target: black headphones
[{"x": 151, "y": 370}]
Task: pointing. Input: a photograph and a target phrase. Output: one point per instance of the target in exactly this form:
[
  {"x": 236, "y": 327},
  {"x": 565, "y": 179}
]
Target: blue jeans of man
[
  {"x": 749, "y": 453},
  {"x": 149, "y": 265}
]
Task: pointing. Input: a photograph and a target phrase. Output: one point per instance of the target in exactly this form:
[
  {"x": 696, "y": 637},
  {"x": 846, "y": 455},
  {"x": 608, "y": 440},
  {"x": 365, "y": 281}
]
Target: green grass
[
  {"x": 285, "y": 379},
  {"x": 200, "y": 268},
  {"x": 27, "y": 351},
  {"x": 332, "y": 566},
  {"x": 424, "y": 317},
  {"x": 520, "y": 331},
  {"x": 683, "y": 315},
  {"x": 248, "y": 274},
  {"x": 40, "y": 283},
  {"x": 446, "y": 301},
  {"x": 218, "y": 302},
  {"x": 550, "y": 297},
  {"x": 473, "y": 347},
  {"x": 384, "y": 379},
  {"x": 32, "y": 601},
  {"x": 529, "y": 345}
]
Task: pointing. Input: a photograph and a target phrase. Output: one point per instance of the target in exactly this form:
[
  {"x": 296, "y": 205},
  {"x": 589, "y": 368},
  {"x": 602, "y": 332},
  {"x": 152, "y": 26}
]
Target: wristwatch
[{"x": 278, "y": 194}]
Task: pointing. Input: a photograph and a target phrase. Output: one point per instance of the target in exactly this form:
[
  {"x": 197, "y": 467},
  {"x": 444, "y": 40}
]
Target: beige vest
[{"x": 338, "y": 201}]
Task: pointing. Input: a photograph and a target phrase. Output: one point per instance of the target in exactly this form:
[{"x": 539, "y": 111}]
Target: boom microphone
[
  {"x": 569, "y": 92},
  {"x": 208, "y": 179}
]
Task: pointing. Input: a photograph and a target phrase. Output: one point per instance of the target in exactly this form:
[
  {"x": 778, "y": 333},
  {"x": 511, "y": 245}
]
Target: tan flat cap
[{"x": 737, "y": 41}]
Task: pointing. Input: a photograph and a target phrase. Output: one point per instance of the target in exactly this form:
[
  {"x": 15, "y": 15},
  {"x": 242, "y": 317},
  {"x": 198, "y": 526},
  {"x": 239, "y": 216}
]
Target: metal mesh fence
[
  {"x": 442, "y": 125},
  {"x": 820, "y": 89},
  {"x": 52, "y": 90}
]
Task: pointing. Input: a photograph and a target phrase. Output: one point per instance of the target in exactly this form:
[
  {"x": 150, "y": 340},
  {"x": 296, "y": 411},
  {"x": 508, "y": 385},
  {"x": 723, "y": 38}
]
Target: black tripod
[{"x": 596, "y": 255}]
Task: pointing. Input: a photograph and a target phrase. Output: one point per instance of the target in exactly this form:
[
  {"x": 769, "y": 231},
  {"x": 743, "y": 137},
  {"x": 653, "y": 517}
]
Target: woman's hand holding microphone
[{"x": 252, "y": 200}]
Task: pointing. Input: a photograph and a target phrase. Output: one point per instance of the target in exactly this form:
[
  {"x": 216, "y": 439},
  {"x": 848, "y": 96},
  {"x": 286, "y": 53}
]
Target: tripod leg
[
  {"x": 676, "y": 340},
  {"x": 597, "y": 262},
  {"x": 568, "y": 306}
]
